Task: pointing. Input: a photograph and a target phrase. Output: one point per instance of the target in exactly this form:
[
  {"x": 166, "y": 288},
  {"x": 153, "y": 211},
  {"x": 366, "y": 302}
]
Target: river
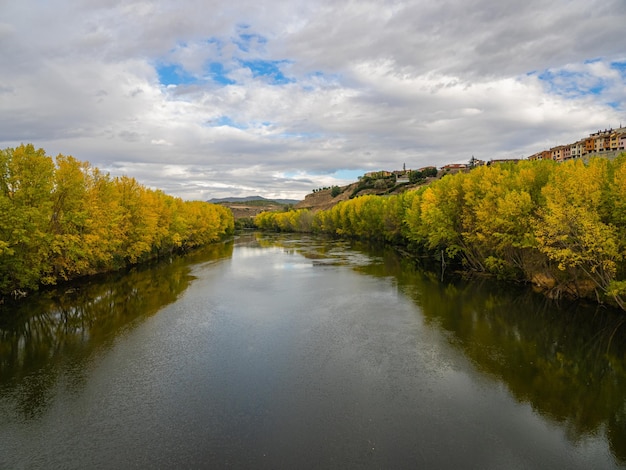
[{"x": 282, "y": 351}]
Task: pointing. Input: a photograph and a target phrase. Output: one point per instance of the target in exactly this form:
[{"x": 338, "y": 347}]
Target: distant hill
[
  {"x": 252, "y": 198},
  {"x": 245, "y": 207}
]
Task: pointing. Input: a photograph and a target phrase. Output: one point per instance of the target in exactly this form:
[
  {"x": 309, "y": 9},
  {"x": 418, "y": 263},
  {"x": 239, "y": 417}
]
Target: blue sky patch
[
  {"x": 174, "y": 75},
  {"x": 227, "y": 121},
  {"x": 247, "y": 40},
  {"x": 217, "y": 41},
  {"x": 219, "y": 74},
  {"x": 350, "y": 175},
  {"x": 269, "y": 69},
  {"x": 572, "y": 84},
  {"x": 343, "y": 174},
  {"x": 619, "y": 66}
]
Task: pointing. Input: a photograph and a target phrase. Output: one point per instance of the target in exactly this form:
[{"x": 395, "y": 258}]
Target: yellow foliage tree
[
  {"x": 570, "y": 229},
  {"x": 60, "y": 219}
]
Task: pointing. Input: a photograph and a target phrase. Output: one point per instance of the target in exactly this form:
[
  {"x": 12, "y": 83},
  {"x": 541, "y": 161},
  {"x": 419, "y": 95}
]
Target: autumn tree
[
  {"x": 574, "y": 228},
  {"x": 61, "y": 219},
  {"x": 25, "y": 208},
  {"x": 537, "y": 221}
]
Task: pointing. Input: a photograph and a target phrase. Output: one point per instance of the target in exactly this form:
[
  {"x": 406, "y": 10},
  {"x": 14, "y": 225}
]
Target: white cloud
[{"x": 299, "y": 90}]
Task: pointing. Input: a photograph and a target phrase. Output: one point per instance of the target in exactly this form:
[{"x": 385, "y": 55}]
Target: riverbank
[
  {"x": 559, "y": 227},
  {"x": 61, "y": 219}
]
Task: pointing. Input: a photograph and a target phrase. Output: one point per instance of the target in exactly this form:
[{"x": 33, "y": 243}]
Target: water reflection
[
  {"x": 57, "y": 332},
  {"x": 568, "y": 361}
]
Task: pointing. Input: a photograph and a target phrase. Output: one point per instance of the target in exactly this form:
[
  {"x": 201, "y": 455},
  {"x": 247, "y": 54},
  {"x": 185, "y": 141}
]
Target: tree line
[
  {"x": 561, "y": 226},
  {"x": 62, "y": 218}
]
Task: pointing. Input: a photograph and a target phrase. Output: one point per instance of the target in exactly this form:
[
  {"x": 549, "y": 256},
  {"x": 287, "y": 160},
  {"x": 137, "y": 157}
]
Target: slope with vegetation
[
  {"x": 61, "y": 219},
  {"x": 248, "y": 208},
  {"x": 561, "y": 226},
  {"x": 325, "y": 198}
]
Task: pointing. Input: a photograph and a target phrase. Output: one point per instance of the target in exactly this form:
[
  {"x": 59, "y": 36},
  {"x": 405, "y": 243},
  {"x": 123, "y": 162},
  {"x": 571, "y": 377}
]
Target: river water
[{"x": 295, "y": 352}]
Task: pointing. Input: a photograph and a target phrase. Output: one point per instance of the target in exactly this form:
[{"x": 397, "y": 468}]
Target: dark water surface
[{"x": 295, "y": 352}]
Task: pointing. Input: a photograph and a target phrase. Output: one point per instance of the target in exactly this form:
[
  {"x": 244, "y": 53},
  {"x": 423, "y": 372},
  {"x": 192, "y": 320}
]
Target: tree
[
  {"x": 26, "y": 211},
  {"x": 60, "y": 219},
  {"x": 68, "y": 219},
  {"x": 571, "y": 232}
]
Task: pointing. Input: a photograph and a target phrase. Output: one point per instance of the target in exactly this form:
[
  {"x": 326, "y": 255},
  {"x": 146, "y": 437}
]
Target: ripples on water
[{"x": 284, "y": 352}]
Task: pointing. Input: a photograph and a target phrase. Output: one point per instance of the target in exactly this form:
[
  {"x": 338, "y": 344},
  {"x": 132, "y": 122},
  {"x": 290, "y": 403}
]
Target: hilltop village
[{"x": 608, "y": 143}]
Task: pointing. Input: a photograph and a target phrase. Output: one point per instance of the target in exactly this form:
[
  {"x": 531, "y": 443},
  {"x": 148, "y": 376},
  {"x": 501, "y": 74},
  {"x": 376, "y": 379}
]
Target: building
[
  {"x": 454, "y": 167},
  {"x": 402, "y": 176},
  {"x": 567, "y": 152},
  {"x": 431, "y": 168},
  {"x": 378, "y": 174},
  {"x": 609, "y": 141},
  {"x": 556, "y": 153},
  {"x": 577, "y": 149},
  {"x": 614, "y": 141}
]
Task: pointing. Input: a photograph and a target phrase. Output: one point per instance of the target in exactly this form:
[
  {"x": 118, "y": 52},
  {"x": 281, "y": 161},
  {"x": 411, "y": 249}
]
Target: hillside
[
  {"x": 252, "y": 199},
  {"x": 250, "y": 208},
  {"x": 244, "y": 207},
  {"x": 323, "y": 199}
]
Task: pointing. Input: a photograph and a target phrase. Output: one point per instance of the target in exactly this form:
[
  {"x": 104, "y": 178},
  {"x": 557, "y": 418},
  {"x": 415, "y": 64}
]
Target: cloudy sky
[{"x": 205, "y": 98}]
